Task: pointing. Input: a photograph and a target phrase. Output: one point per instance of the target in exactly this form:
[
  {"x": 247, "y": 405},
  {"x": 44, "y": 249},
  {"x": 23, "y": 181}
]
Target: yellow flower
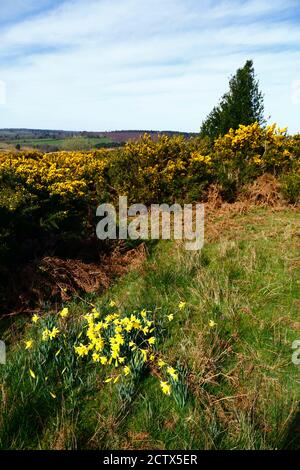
[
  {"x": 161, "y": 363},
  {"x": 151, "y": 340},
  {"x": 53, "y": 395},
  {"x": 143, "y": 313},
  {"x": 103, "y": 360},
  {"x": 35, "y": 318},
  {"x": 32, "y": 374},
  {"x": 181, "y": 305},
  {"x": 96, "y": 357},
  {"x": 53, "y": 333},
  {"x": 172, "y": 372},
  {"x": 170, "y": 317},
  {"x": 64, "y": 313},
  {"x": 144, "y": 354},
  {"x": 127, "y": 370},
  {"x": 212, "y": 324},
  {"x": 81, "y": 350},
  {"x": 95, "y": 313},
  {"x": 45, "y": 334},
  {"x": 166, "y": 388},
  {"x": 108, "y": 380},
  {"x": 112, "y": 303},
  {"x": 28, "y": 344}
]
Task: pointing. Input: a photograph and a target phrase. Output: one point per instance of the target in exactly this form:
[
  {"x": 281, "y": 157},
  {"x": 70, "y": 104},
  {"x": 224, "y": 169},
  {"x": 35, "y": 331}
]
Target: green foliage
[
  {"x": 76, "y": 143},
  {"x": 238, "y": 387},
  {"x": 290, "y": 187},
  {"x": 242, "y": 104}
]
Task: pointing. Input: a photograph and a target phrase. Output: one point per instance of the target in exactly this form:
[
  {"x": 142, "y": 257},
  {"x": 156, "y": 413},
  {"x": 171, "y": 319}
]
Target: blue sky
[{"x": 142, "y": 64}]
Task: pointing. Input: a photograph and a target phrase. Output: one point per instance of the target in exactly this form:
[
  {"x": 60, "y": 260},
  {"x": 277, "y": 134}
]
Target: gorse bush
[
  {"x": 57, "y": 193},
  {"x": 148, "y": 171},
  {"x": 167, "y": 170}
]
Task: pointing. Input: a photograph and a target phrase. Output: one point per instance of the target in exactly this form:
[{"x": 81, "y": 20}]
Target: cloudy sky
[{"x": 142, "y": 64}]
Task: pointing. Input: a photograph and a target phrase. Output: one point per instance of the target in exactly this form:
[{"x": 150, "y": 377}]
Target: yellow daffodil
[
  {"x": 45, "y": 334},
  {"x": 170, "y": 317},
  {"x": 81, "y": 350},
  {"x": 181, "y": 305},
  {"x": 35, "y": 318},
  {"x": 32, "y": 374},
  {"x": 53, "y": 333},
  {"x": 28, "y": 344},
  {"x": 132, "y": 345},
  {"x": 166, "y": 388},
  {"x": 212, "y": 323},
  {"x": 64, "y": 312},
  {"x": 144, "y": 354},
  {"x": 172, "y": 372},
  {"x": 53, "y": 395},
  {"x": 96, "y": 357}
]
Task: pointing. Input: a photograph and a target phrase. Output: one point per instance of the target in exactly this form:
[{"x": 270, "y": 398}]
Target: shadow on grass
[{"x": 291, "y": 440}]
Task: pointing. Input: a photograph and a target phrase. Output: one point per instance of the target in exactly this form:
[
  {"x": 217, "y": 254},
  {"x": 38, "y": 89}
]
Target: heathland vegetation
[{"x": 143, "y": 344}]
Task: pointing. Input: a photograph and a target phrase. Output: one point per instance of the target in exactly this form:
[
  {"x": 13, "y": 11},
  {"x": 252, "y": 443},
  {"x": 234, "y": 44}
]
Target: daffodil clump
[{"x": 117, "y": 345}]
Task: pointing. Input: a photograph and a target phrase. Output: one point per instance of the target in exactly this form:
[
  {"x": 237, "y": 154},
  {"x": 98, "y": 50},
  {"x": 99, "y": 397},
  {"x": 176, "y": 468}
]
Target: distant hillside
[{"x": 113, "y": 136}]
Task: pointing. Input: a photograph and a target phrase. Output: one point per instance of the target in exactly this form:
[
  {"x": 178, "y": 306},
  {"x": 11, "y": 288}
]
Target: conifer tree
[{"x": 242, "y": 104}]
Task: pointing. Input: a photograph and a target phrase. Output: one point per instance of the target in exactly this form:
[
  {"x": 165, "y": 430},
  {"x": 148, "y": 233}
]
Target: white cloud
[{"x": 159, "y": 64}]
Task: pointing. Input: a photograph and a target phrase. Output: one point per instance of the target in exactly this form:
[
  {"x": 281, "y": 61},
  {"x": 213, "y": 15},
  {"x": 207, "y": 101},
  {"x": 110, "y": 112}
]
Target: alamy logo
[
  {"x": 160, "y": 221},
  {"x": 2, "y": 352},
  {"x": 296, "y": 354}
]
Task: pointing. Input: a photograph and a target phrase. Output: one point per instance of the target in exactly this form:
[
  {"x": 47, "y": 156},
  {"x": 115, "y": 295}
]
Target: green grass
[
  {"x": 37, "y": 143},
  {"x": 243, "y": 390}
]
